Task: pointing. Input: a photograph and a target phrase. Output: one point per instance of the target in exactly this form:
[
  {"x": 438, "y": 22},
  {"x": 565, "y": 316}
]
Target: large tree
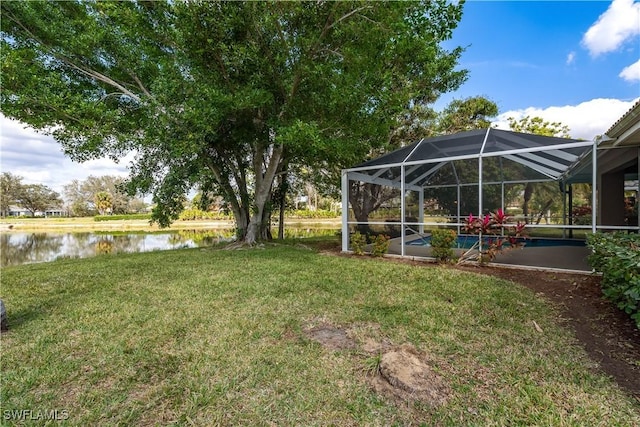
[
  {"x": 81, "y": 195},
  {"x": 547, "y": 192},
  {"x": 222, "y": 95},
  {"x": 463, "y": 115},
  {"x": 38, "y": 198},
  {"x": 10, "y": 187}
]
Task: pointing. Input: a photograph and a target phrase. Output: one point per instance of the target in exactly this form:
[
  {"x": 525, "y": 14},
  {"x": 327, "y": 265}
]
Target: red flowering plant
[{"x": 496, "y": 234}]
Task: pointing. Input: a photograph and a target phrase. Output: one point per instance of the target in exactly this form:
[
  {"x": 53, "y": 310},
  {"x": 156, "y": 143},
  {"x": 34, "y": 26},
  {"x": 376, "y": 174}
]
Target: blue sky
[
  {"x": 573, "y": 62},
  {"x": 523, "y": 54}
]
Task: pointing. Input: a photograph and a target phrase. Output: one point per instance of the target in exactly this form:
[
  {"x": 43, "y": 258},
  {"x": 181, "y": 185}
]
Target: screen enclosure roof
[{"x": 550, "y": 157}]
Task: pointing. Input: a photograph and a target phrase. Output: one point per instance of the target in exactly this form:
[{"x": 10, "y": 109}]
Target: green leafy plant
[
  {"x": 617, "y": 257},
  {"x": 442, "y": 241},
  {"x": 358, "y": 242},
  {"x": 380, "y": 245}
]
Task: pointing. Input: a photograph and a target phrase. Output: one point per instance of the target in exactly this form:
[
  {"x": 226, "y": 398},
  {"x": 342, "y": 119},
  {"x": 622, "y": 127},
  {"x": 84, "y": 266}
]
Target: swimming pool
[{"x": 466, "y": 241}]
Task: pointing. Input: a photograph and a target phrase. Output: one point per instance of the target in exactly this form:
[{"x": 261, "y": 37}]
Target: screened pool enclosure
[{"x": 438, "y": 182}]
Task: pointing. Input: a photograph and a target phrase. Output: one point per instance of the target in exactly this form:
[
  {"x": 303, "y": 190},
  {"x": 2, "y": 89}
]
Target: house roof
[{"x": 626, "y": 131}]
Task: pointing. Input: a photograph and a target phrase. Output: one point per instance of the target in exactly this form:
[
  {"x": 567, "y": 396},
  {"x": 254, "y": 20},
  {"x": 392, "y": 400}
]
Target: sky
[{"x": 574, "y": 62}]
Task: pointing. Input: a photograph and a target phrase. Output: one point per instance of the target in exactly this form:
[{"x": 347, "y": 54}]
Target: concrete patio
[{"x": 573, "y": 258}]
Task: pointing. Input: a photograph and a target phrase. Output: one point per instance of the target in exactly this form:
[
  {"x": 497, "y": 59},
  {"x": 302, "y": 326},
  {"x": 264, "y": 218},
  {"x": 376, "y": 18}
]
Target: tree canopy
[
  {"x": 10, "y": 187},
  {"x": 38, "y": 198},
  {"x": 32, "y": 197},
  {"x": 542, "y": 194},
  {"x": 81, "y": 196},
  {"x": 222, "y": 95}
]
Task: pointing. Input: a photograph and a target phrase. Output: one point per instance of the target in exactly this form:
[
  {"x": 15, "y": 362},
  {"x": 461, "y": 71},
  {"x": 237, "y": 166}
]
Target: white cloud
[
  {"x": 631, "y": 73},
  {"x": 585, "y": 120},
  {"x": 618, "y": 24},
  {"x": 39, "y": 158},
  {"x": 571, "y": 57}
]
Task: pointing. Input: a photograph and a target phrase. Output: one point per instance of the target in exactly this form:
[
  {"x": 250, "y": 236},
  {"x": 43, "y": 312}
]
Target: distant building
[{"x": 18, "y": 211}]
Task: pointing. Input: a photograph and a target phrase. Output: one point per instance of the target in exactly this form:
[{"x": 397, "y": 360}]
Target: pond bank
[{"x": 86, "y": 224}]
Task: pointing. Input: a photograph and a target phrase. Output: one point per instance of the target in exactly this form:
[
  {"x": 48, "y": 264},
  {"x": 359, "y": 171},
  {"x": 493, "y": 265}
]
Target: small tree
[
  {"x": 81, "y": 195},
  {"x": 495, "y": 234},
  {"x": 104, "y": 202}
]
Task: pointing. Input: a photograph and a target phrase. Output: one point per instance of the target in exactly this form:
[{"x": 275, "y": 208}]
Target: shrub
[
  {"x": 309, "y": 214},
  {"x": 197, "y": 214},
  {"x": 617, "y": 257},
  {"x": 380, "y": 245},
  {"x": 442, "y": 241},
  {"x": 581, "y": 215},
  {"x": 358, "y": 242}
]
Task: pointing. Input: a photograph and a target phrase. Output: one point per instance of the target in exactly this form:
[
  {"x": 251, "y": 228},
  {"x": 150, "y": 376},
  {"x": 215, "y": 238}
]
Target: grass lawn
[{"x": 213, "y": 337}]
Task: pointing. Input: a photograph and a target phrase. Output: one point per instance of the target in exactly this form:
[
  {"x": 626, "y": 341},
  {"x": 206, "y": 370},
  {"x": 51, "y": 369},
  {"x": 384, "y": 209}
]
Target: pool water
[{"x": 466, "y": 241}]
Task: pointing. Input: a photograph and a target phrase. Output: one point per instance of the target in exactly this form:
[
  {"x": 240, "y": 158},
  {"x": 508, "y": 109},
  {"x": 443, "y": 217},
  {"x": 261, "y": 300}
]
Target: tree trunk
[
  {"x": 282, "y": 193},
  {"x": 364, "y": 199},
  {"x": 256, "y": 229},
  {"x": 544, "y": 209},
  {"x": 259, "y": 227},
  {"x": 528, "y": 193},
  {"x": 241, "y": 218},
  {"x": 265, "y": 231},
  {"x": 281, "y": 219}
]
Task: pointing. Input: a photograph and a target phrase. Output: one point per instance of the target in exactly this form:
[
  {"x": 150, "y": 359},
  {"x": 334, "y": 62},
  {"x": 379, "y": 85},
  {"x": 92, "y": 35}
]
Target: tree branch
[
  {"x": 140, "y": 85},
  {"x": 298, "y": 75},
  {"x": 224, "y": 184},
  {"x": 86, "y": 71},
  {"x": 347, "y": 15}
]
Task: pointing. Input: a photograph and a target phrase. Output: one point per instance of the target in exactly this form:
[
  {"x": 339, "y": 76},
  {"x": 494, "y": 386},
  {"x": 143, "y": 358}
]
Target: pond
[{"x": 25, "y": 248}]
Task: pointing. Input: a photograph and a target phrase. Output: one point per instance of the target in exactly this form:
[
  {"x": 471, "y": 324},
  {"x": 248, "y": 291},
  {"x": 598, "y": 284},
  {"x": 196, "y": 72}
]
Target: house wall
[
  {"x": 612, "y": 166},
  {"x": 612, "y": 198}
]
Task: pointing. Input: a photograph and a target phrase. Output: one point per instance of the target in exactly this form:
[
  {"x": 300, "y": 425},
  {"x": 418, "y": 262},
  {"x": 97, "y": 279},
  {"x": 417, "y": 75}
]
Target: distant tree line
[
  {"x": 32, "y": 197},
  {"x": 100, "y": 195},
  {"x": 95, "y": 195}
]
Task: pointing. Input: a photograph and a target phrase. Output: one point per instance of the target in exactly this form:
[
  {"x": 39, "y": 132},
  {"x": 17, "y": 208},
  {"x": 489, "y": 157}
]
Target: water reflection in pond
[{"x": 25, "y": 248}]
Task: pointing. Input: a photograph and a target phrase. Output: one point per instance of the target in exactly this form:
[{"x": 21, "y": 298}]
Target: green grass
[{"x": 214, "y": 337}]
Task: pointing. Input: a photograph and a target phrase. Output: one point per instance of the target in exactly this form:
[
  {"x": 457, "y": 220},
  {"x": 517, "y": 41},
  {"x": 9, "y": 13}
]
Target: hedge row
[
  {"x": 121, "y": 217},
  {"x": 194, "y": 214},
  {"x": 308, "y": 214},
  {"x": 617, "y": 257}
]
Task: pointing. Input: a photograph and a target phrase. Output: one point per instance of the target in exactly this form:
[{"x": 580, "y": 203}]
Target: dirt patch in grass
[
  {"x": 400, "y": 373},
  {"x": 406, "y": 374},
  {"x": 331, "y": 337}
]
